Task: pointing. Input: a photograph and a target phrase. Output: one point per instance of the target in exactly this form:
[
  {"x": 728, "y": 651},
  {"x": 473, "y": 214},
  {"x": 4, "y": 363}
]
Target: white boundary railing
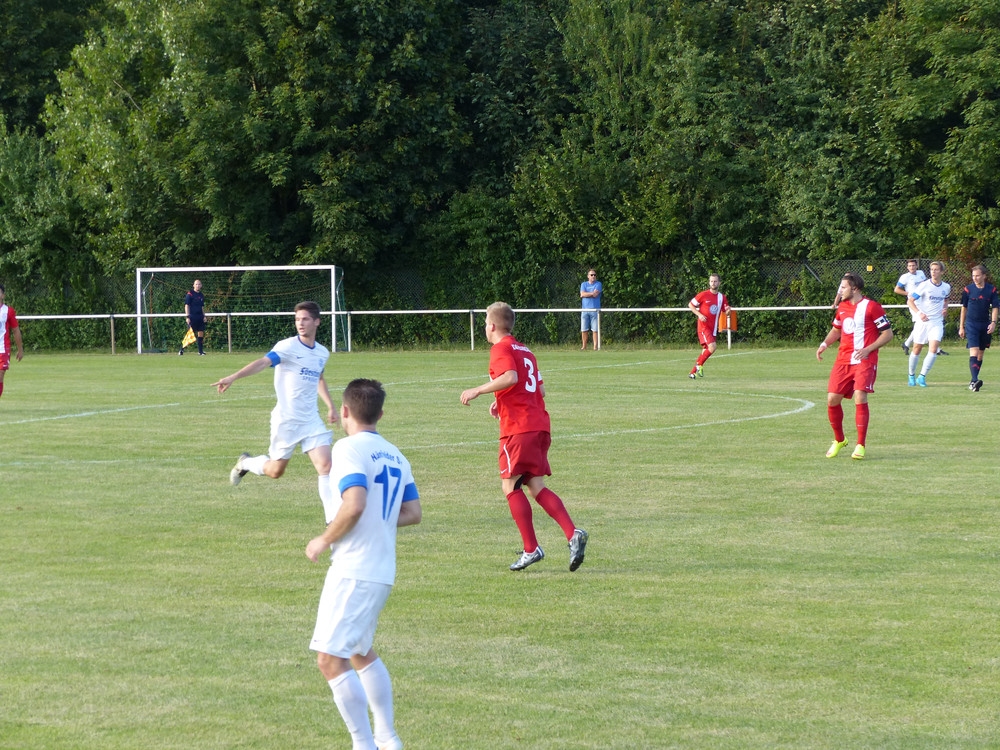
[{"x": 349, "y": 314}]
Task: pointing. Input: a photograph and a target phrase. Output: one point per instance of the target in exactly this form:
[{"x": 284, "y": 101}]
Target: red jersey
[
  {"x": 859, "y": 325},
  {"x": 8, "y": 321},
  {"x": 711, "y": 305},
  {"x": 521, "y": 407}
]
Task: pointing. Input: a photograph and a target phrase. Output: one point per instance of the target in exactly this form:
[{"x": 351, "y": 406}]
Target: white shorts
[
  {"x": 926, "y": 331},
  {"x": 348, "y": 614},
  {"x": 285, "y": 436}
]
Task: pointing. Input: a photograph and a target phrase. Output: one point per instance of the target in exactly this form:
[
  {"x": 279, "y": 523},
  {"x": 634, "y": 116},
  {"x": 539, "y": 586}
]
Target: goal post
[{"x": 246, "y": 307}]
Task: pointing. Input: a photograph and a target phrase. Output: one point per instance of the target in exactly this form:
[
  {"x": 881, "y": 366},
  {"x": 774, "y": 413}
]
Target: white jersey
[
  {"x": 297, "y": 370},
  {"x": 908, "y": 281},
  {"x": 368, "y": 551},
  {"x": 932, "y": 299}
]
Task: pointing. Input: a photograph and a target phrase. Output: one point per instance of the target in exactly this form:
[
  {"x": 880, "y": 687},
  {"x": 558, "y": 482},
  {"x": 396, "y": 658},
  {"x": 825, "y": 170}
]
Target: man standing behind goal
[
  {"x": 194, "y": 312},
  {"x": 298, "y": 364}
]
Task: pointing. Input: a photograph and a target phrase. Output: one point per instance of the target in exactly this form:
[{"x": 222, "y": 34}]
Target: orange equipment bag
[{"x": 727, "y": 321}]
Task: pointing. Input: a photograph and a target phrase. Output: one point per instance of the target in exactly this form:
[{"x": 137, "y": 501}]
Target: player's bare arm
[
  {"x": 16, "y": 335},
  {"x": 324, "y": 395},
  {"x": 499, "y": 383},
  {"x": 410, "y": 513},
  {"x": 353, "y": 506},
  {"x": 825, "y": 343},
  {"x": 912, "y": 304},
  {"x": 883, "y": 338},
  {"x": 695, "y": 310},
  {"x": 258, "y": 365}
]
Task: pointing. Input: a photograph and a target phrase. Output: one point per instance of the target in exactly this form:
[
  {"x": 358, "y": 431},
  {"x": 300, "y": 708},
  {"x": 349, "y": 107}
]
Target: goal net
[{"x": 246, "y": 307}]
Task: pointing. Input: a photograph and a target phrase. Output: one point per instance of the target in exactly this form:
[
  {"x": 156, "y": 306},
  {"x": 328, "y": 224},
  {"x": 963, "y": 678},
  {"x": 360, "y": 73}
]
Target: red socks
[
  {"x": 552, "y": 505},
  {"x": 836, "y": 415},
  {"x": 861, "y": 420},
  {"x": 520, "y": 511}
]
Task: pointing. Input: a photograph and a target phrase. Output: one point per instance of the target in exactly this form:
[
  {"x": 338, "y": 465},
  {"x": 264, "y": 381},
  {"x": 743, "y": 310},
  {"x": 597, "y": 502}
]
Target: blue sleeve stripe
[
  {"x": 353, "y": 480},
  {"x": 275, "y": 359},
  {"x": 410, "y": 492}
]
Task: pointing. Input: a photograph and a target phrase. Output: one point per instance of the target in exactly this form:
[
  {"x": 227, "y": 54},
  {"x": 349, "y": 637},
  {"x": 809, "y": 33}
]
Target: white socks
[
  {"x": 326, "y": 495},
  {"x": 356, "y": 692},
  {"x": 349, "y": 695},
  {"x": 928, "y": 363},
  {"x": 255, "y": 465},
  {"x": 378, "y": 687}
]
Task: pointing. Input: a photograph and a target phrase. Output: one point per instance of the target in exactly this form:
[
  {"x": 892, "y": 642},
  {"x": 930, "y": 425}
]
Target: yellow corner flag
[{"x": 188, "y": 338}]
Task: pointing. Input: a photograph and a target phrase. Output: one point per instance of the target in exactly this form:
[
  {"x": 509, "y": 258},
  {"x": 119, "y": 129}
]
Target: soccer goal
[{"x": 246, "y": 307}]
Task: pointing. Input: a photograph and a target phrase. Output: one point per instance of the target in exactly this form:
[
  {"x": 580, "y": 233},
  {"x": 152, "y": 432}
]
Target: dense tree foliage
[{"x": 480, "y": 144}]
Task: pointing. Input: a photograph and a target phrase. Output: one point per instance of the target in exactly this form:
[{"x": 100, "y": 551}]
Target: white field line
[
  {"x": 95, "y": 413},
  {"x": 804, "y": 405}
]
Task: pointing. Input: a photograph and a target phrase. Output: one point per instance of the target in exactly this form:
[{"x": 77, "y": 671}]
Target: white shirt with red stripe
[
  {"x": 859, "y": 325},
  {"x": 8, "y": 321}
]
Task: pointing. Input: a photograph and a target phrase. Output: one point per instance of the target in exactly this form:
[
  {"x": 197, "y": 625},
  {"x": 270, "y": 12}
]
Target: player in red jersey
[
  {"x": 9, "y": 330},
  {"x": 707, "y": 305},
  {"x": 862, "y": 327},
  {"x": 524, "y": 436}
]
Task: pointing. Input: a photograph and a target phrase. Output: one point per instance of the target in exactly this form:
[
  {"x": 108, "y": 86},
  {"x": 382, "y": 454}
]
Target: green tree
[
  {"x": 254, "y": 131},
  {"x": 36, "y": 38},
  {"x": 40, "y": 226},
  {"x": 929, "y": 73}
]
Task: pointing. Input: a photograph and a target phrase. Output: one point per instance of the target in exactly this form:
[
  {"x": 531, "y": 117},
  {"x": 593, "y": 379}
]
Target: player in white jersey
[
  {"x": 375, "y": 495},
  {"x": 298, "y": 364},
  {"x": 928, "y": 303},
  {"x": 904, "y": 287}
]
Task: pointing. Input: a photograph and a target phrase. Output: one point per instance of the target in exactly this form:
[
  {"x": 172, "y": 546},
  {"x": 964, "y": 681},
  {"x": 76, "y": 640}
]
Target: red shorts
[
  {"x": 846, "y": 379},
  {"x": 5, "y": 361},
  {"x": 706, "y": 336},
  {"x": 525, "y": 454}
]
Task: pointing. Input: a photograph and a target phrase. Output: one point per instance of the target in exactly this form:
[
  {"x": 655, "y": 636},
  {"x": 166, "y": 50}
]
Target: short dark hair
[
  {"x": 310, "y": 307},
  {"x": 855, "y": 280},
  {"x": 364, "y": 399},
  {"x": 3, "y": 289}
]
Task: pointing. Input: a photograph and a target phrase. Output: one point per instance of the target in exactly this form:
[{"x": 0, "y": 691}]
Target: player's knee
[
  {"x": 274, "y": 469},
  {"x": 331, "y": 666}
]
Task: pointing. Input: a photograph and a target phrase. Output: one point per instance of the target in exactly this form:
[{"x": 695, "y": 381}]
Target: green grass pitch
[{"x": 740, "y": 590}]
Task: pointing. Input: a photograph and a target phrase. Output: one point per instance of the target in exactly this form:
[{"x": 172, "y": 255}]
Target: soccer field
[{"x": 740, "y": 590}]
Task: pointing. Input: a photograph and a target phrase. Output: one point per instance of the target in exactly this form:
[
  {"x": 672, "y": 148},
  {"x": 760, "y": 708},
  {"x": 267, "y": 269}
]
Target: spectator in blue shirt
[{"x": 590, "y": 293}]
